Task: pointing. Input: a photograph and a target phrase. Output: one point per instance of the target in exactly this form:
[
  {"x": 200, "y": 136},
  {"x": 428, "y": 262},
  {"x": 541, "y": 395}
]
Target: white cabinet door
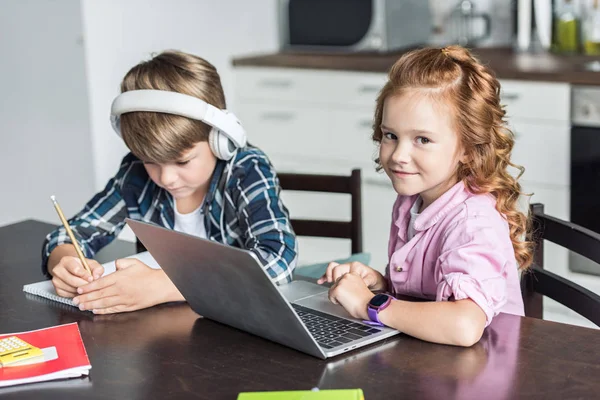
[
  {"x": 536, "y": 101},
  {"x": 311, "y": 88},
  {"x": 544, "y": 151},
  {"x": 330, "y": 135},
  {"x": 284, "y": 130}
]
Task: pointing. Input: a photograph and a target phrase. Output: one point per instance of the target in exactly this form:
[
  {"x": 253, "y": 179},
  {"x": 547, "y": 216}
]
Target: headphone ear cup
[
  {"x": 220, "y": 145},
  {"x": 212, "y": 136},
  {"x": 115, "y": 121}
]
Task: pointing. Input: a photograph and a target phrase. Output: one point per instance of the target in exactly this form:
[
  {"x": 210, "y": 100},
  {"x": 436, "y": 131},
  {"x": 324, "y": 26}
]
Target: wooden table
[{"x": 169, "y": 352}]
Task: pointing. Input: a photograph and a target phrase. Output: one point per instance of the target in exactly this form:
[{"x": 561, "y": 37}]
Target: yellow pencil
[{"x": 70, "y": 233}]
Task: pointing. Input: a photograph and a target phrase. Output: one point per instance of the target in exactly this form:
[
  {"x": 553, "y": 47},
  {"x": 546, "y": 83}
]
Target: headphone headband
[{"x": 178, "y": 104}]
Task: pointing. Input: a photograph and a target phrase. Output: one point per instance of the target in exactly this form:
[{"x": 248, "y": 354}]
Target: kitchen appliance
[
  {"x": 585, "y": 168},
  {"x": 462, "y": 22},
  {"x": 474, "y": 23},
  {"x": 353, "y": 25}
]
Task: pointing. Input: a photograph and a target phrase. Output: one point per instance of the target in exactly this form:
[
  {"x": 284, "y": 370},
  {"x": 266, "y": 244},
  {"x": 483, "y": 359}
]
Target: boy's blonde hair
[
  {"x": 159, "y": 137},
  {"x": 473, "y": 94}
]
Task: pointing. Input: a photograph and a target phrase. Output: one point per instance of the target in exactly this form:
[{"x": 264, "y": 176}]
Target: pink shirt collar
[{"x": 436, "y": 211}]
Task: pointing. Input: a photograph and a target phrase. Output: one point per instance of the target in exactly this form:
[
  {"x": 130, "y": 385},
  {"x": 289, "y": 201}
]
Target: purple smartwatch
[{"x": 378, "y": 303}]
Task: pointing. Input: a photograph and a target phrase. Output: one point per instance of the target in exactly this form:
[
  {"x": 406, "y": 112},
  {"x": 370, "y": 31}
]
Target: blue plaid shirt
[{"x": 244, "y": 211}]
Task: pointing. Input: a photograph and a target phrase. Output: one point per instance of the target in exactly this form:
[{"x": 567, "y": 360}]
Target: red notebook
[{"x": 68, "y": 359}]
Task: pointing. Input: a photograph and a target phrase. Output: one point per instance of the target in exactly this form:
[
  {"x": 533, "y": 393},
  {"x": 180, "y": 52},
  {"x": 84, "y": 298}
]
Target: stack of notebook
[{"x": 59, "y": 353}]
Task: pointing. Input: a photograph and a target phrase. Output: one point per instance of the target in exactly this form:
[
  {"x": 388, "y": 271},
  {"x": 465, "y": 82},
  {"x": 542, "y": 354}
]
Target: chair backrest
[
  {"x": 538, "y": 282},
  {"x": 330, "y": 184}
]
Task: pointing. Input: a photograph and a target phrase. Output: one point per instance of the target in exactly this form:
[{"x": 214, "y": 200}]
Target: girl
[{"x": 456, "y": 236}]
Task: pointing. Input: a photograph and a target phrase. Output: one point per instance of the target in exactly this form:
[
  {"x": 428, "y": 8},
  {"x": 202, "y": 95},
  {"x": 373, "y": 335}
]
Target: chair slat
[
  {"x": 538, "y": 282},
  {"x": 571, "y": 236},
  {"x": 568, "y": 293},
  {"x": 315, "y": 228},
  {"x": 315, "y": 183}
]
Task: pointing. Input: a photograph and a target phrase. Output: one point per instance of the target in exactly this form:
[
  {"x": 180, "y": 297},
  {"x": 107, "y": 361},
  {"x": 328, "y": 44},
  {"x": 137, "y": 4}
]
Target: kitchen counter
[{"x": 504, "y": 61}]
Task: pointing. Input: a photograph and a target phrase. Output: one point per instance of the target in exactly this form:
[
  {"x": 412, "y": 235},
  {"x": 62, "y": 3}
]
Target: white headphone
[{"x": 226, "y": 135}]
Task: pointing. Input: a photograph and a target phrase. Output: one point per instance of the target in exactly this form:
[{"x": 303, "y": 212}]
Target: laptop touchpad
[
  {"x": 297, "y": 290},
  {"x": 321, "y": 303}
]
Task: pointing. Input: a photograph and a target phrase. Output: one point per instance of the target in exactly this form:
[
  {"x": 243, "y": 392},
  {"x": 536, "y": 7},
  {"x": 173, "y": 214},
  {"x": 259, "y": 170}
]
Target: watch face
[{"x": 379, "y": 300}]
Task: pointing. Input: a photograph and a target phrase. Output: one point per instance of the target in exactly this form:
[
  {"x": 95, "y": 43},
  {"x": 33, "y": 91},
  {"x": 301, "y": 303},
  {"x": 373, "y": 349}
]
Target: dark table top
[
  {"x": 170, "y": 352},
  {"x": 506, "y": 63}
]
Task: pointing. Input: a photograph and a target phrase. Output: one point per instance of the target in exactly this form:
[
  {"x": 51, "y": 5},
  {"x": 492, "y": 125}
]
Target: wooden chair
[
  {"x": 330, "y": 184},
  {"x": 538, "y": 282}
]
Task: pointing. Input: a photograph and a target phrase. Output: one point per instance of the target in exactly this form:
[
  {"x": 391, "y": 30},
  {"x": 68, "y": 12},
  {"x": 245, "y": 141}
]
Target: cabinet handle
[
  {"x": 275, "y": 83},
  {"x": 277, "y": 116},
  {"x": 369, "y": 88},
  {"x": 510, "y": 96}
]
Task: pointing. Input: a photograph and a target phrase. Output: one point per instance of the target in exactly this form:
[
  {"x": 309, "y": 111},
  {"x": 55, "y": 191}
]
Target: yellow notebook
[{"x": 338, "y": 394}]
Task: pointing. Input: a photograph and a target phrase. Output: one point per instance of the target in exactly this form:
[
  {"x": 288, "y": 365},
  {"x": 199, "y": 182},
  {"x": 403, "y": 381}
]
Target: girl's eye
[
  {"x": 390, "y": 136},
  {"x": 182, "y": 162},
  {"x": 422, "y": 140}
]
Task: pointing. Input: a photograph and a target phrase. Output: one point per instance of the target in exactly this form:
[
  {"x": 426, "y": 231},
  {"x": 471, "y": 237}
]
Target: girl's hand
[
  {"x": 352, "y": 293},
  {"x": 373, "y": 279},
  {"x": 69, "y": 274},
  {"x": 133, "y": 286}
]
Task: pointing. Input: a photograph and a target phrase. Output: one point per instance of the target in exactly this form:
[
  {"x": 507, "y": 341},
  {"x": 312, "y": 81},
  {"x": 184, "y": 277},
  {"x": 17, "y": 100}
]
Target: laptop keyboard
[{"x": 330, "y": 331}]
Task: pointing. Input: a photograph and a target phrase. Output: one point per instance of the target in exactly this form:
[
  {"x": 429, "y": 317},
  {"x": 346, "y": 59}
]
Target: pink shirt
[{"x": 461, "y": 249}]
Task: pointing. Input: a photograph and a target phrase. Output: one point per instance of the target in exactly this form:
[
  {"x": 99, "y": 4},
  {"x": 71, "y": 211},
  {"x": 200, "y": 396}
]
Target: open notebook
[{"x": 46, "y": 289}]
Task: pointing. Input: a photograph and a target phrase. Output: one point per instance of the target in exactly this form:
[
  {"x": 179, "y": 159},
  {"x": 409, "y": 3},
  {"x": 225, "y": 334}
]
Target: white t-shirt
[
  {"x": 191, "y": 223},
  {"x": 414, "y": 213}
]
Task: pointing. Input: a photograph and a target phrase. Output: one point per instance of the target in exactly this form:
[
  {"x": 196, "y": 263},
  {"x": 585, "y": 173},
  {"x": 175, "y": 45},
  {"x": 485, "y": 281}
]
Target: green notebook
[{"x": 338, "y": 394}]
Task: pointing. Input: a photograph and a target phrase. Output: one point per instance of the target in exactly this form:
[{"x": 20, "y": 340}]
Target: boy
[{"x": 190, "y": 170}]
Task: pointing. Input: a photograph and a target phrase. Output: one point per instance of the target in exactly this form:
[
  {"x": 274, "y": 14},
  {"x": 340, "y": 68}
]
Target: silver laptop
[{"x": 230, "y": 285}]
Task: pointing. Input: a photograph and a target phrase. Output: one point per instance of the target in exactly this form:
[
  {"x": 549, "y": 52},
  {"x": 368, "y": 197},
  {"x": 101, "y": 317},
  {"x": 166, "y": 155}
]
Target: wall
[{"x": 44, "y": 124}]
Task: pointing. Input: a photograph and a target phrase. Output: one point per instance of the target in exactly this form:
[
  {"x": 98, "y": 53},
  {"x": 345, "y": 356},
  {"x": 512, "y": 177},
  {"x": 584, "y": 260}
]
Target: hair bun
[{"x": 457, "y": 53}]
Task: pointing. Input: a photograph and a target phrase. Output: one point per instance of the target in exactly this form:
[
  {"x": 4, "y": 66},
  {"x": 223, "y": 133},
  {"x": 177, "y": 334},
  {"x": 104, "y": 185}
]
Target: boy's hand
[
  {"x": 373, "y": 279},
  {"x": 352, "y": 293},
  {"x": 69, "y": 274},
  {"x": 133, "y": 286}
]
